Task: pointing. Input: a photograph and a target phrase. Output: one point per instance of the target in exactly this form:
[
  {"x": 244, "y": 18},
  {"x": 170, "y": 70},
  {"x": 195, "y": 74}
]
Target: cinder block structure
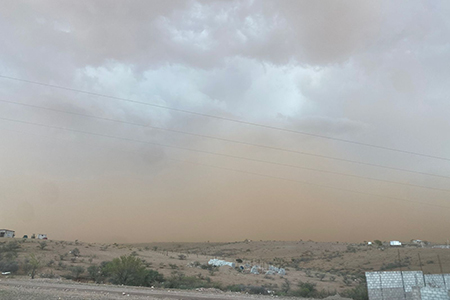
[{"x": 408, "y": 285}]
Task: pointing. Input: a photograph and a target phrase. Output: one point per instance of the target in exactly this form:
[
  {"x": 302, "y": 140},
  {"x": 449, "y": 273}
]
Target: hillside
[{"x": 332, "y": 266}]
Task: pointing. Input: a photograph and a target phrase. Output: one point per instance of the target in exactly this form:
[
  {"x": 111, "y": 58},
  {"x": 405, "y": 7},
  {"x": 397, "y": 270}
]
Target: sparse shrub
[
  {"x": 213, "y": 270},
  {"x": 75, "y": 252},
  {"x": 182, "y": 257},
  {"x": 8, "y": 255},
  {"x": 251, "y": 289},
  {"x": 181, "y": 281},
  {"x": 357, "y": 293},
  {"x": 12, "y": 247},
  {"x": 96, "y": 273},
  {"x": 347, "y": 281},
  {"x": 286, "y": 287},
  {"x": 306, "y": 289},
  {"x": 9, "y": 266},
  {"x": 351, "y": 249},
  {"x": 50, "y": 263},
  {"x": 42, "y": 245},
  {"x": 321, "y": 276},
  {"x": 76, "y": 271},
  {"x": 378, "y": 243}
]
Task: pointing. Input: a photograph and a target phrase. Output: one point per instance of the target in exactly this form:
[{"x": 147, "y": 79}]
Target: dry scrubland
[{"x": 331, "y": 266}]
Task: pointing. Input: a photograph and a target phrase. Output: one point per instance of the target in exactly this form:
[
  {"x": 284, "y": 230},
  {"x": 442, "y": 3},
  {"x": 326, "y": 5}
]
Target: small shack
[
  {"x": 7, "y": 233},
  {"x": 395, "y": 244}
]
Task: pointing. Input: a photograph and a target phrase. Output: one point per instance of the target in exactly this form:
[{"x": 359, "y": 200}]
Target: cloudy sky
[{"x": 171, "y": 120}]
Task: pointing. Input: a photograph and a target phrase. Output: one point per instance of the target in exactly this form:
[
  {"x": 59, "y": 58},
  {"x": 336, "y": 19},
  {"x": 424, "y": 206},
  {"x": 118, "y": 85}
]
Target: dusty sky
[{"x": 374, "y": 72}]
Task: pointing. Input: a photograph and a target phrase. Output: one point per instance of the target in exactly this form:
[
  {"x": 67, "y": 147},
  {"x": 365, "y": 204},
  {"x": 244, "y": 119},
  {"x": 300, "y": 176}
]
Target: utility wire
[
  {"x": 224, "y": 155},
  {"x": 226, "y": 119},
  {"x": 279, "y": 178},
  {"x": 227, "y": 140}
]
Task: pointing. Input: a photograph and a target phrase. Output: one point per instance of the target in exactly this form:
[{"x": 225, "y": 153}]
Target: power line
[
  {"x": 224, "y": 155},
  {"x": 239, "y": 142},
  {"x": 284, "y": 179},
  {"x": 226, "y": 119},
  {"x": 318, "y": 185}
]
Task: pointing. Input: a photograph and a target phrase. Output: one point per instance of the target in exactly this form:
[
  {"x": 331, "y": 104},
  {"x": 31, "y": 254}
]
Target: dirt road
[
  {"x": 26, "y": 289},
  {"x": 47, "y": 289}
]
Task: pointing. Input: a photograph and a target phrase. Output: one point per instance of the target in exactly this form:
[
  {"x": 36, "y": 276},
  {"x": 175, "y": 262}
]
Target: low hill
[{"x": 331, "y": 266}]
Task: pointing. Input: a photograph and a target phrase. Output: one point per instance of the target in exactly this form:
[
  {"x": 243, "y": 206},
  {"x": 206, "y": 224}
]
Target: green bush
[
  {"x": 126, "y": 270},
  {"x": 129, "y": 270},
  {"x": 9, "y": 266},
  {"x": 306, "y": 289}
]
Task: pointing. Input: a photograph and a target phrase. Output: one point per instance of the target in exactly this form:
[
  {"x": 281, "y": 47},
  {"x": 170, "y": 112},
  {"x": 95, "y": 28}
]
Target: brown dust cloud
[{"x": 225, "y": 120}]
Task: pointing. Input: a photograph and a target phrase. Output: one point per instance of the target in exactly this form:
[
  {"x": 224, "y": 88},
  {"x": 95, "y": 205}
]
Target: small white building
[
  {"x": 42, "y": 236},
  {"x": 7, "y": 233},
  {"x": 395, "y": 244}
]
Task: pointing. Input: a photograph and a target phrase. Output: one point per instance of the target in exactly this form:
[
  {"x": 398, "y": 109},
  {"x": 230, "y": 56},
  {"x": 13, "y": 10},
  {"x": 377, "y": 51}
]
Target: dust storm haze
[{"x": 373, "y": 72}]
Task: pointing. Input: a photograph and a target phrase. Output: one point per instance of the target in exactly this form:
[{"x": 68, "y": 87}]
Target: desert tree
[{"x": 33, "y": 264}]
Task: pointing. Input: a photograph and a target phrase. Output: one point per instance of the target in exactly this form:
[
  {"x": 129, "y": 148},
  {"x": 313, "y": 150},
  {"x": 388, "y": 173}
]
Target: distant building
[
  {"x": 42, "y": 236},
  {"x": 7, "y": 233},
  {"x": 395, "y": 244}
]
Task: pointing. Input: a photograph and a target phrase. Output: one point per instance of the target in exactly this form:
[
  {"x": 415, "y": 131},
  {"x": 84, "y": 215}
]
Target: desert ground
[{"x": 331, "y": 266}]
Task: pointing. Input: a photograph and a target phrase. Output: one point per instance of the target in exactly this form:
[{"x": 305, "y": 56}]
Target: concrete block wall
[
  {"x": 429, "y": 293},
  {"x": 438, "y": 280},
  {"x": 390, "y": 286},
  {"x": 387, "y": 280},
  {"x": 415, "y": 294},
  {"x": 413, "y": 278}
]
